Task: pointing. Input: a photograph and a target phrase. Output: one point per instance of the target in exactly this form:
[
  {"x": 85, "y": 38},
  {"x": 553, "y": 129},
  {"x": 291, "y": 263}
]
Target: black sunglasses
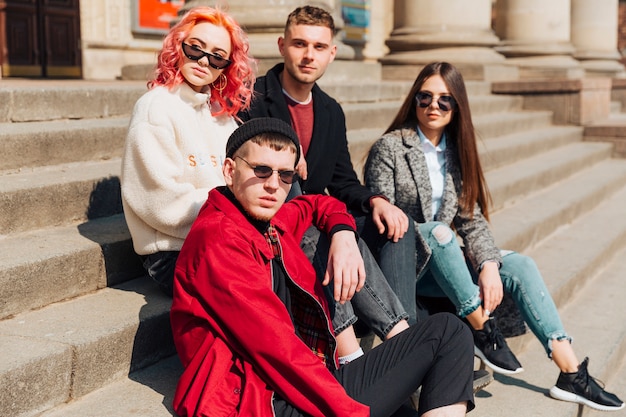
[
  {"x": 263, "y": 171},
  {"x": 194, "y": 53},
  {"x": 445, "y": 103}
]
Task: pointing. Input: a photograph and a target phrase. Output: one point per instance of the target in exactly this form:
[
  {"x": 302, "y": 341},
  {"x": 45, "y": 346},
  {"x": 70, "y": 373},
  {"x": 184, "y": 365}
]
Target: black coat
[{"x": 328, "y": 159}]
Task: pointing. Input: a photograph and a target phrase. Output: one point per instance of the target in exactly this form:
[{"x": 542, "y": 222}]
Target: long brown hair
[{"x": 459, "y": 133}]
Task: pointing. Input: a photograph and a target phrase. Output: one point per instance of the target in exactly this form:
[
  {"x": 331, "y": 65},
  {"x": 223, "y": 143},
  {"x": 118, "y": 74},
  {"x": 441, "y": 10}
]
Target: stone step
[
  {"x": 499, "y": 151},
  {"x": 505, "y": 123},
  {"x": 489, "y": 104},
  {"x": 572, "y": 256},
  {"x": 146, "y": 393},
  {"x": 513, "y": 181},
  {"x": 38, "y": 100},
  {"x": 45, "y": 266},
  {"x": 527, "y": 222},
  {"x": 59, "y": 195},
  {"x": 35, "y": 144},
  {"x": 591, "y": 317},
  {"x": 82, "y": 344},
  {"x": 372, "y": 91}
]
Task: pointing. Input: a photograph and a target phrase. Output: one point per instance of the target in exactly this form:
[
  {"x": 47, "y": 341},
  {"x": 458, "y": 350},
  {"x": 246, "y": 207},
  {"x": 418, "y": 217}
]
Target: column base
[
  {"x": 475, "y": 63},
  {"x": 541, "y": 67},
  {"x": 603, "y": 68}
]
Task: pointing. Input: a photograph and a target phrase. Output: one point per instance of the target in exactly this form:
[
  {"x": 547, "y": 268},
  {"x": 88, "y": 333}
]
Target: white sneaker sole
[
  {"x": 496, "y": 368},
  {"x": 559, "y": 394}
]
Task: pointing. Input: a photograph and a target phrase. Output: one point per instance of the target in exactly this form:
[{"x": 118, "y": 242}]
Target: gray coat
[{"x": 396, "y": 167}]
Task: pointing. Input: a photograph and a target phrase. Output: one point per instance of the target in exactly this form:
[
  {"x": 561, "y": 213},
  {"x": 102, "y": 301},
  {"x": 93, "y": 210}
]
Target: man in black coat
[{"x": 289, "y": 92}]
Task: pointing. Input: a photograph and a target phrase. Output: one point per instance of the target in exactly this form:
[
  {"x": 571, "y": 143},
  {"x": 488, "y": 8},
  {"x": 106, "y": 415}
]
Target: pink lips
[{"x": 268, "y": 200}]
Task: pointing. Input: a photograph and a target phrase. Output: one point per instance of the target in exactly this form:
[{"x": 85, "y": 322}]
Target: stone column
[
  {"x": 458, "y": 31},
  {"x": 536, "y": 37},
  {"x": 594, "y": 36}
]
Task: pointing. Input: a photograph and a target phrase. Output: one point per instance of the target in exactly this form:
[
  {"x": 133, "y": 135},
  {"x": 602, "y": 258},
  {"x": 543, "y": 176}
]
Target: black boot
[
  {"x": 580, "y": 387},
  {"x": 491, "y": 348}
]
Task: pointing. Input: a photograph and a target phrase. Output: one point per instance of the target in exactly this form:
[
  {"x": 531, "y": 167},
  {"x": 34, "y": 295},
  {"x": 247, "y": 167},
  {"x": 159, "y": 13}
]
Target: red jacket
[{"x": 233, "y": 334}]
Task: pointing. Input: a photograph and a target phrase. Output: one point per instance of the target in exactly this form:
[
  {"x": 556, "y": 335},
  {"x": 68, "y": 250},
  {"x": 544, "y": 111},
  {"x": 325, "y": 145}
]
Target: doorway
[{"x": 40, "y": 38}]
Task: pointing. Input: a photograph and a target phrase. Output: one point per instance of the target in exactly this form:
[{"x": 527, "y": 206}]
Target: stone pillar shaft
[
  {"x": 534, "y": 27},
  {"x": 594, "y": 29}
]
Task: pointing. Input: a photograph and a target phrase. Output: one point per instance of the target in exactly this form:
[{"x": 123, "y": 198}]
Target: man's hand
[
  {"x": 490, "y": 286},
  {"x": 345, "y": 266},
  {"x": 301, "y": 167},
  {"x": 387, "y": 216}
]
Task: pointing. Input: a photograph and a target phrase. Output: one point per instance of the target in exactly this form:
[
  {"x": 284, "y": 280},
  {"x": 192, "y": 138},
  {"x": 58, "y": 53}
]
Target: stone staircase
[{"x": 83, "y": 332}]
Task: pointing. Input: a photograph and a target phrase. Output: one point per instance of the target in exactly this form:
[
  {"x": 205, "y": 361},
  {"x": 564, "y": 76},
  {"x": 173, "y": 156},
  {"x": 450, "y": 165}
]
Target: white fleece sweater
[{"x": 174, "y": 153}]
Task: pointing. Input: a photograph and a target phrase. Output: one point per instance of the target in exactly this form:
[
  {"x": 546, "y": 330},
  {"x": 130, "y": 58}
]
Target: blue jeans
[
  {"x": 376, "y": 304},
  {"x": 447, "y": 275}
]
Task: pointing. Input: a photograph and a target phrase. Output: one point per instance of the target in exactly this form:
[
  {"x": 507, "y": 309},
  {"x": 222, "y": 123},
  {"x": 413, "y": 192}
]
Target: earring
[{"x": 222, "y": 83}]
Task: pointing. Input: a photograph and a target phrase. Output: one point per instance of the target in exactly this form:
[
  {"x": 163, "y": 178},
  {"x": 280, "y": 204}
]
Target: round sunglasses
[
  {"x": 263, "y": 171},
  {"x": 445, "y": 103},
  {"x": 195, "y": 54}
]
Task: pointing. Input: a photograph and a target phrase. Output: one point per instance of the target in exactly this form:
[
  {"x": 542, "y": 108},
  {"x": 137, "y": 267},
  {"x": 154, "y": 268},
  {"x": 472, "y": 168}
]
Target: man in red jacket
[{"x": 250, "y": 319}]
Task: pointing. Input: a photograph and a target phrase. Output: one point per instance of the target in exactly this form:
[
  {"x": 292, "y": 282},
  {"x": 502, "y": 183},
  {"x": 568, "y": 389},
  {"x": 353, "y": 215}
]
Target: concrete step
[
  {"x": 360, "y": 92},
  {"x": 515, "y": 180},
  {"x": 527, "y": 222},
  {"x": 370, "y": 115},
  {"x": 35, "y": 144},
  {"x": 578, "y": 250},
  {"x": 499, "y": 151},
  {"x": 38, "y": 100},
  {"x": 505, "y": 123},
  {"x": 44, "y": 266},
  {"x": 59, "y": 195},
  {"x": 591, "y": 317},
  {"x": 83, "y": 344},
  {"x": 145, "y": 393},
  {"x": 572, "y": 256},
  {"x": 488, "y": 104}
]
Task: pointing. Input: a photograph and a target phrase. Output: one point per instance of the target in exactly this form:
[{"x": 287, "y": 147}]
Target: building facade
[{"x": 490, "y": 39}]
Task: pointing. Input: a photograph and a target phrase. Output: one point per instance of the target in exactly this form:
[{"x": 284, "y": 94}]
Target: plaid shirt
[{"x": 308, "y": 315}]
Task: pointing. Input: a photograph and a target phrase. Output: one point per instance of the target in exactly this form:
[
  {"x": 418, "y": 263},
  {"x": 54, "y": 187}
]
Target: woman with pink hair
[{"x": 177, "y": 136}]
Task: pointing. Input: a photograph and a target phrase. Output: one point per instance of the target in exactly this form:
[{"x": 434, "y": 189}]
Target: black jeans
[
  {"x": 437, "y": 354},
  {"x": 160, "y": 267}
]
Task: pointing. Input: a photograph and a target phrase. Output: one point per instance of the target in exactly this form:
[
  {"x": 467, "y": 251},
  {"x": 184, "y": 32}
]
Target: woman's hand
[{"x": 490, "y": 286}]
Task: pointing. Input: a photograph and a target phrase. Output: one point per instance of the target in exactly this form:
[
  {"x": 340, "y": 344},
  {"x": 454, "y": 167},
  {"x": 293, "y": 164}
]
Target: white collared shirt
[{"x": 436, "y": 162}]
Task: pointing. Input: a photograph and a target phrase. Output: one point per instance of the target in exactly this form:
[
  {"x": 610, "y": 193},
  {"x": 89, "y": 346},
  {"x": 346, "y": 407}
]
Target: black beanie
[{"x": 258, "y": 126}]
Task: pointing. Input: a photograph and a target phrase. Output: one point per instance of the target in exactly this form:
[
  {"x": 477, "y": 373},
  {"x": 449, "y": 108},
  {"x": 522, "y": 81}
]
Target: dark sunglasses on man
[
  {"x": 263, "y": 171},
  {"x": 195, "y": 54},
  {"x": 445, "y": 103}
]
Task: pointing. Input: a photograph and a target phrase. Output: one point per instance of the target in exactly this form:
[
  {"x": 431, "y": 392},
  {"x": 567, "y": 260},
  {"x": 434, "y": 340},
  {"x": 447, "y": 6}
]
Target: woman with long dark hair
[{"x": 427, "y": 164}]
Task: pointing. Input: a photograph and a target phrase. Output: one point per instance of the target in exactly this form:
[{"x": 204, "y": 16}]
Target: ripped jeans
[{"x": 447, "y": 274}]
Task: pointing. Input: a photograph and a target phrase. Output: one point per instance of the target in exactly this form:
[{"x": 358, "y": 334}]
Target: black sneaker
[
  {"x": 580, "y": 387},
  {"x": 482, "y": 378},
  {"x": 491, "y": 348}
]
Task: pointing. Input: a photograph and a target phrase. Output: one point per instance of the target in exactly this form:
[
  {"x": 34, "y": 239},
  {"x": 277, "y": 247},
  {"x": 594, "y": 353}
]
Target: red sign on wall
[{"x": 154, "y": 16}]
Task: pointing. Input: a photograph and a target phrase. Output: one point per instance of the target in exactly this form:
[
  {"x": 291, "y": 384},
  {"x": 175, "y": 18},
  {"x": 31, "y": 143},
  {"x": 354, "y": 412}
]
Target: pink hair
[{"x": 240, "y": 75}]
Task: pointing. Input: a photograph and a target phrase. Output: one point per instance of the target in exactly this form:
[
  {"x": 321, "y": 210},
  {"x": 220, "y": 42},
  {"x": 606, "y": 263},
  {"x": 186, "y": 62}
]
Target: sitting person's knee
[{"x": 443, "y": 234}]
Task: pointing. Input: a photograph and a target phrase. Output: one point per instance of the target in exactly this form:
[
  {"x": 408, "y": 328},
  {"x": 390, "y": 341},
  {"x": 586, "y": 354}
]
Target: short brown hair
[{"x": 312, "y": 16}]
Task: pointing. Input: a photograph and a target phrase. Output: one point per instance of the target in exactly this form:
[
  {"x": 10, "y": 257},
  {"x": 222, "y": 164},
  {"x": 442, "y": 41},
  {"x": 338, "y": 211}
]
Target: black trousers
[{"x": 437, "y": 354}]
